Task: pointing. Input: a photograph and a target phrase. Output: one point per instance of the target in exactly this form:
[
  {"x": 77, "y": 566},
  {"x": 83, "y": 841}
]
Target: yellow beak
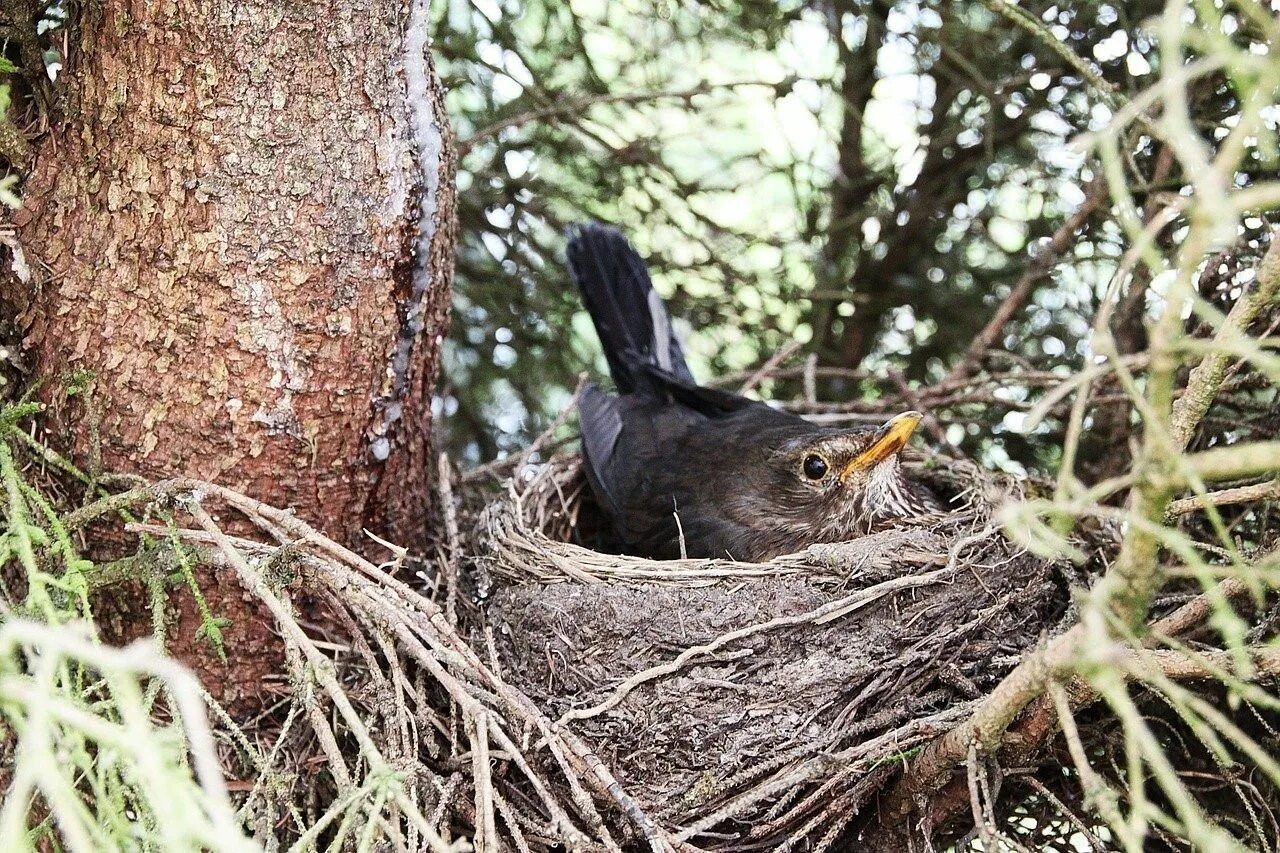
[{"x": 888, "y": 440}]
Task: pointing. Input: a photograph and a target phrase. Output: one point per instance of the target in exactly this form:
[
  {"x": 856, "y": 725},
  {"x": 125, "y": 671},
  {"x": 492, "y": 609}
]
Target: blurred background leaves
[{"x": 866, "y": 179}]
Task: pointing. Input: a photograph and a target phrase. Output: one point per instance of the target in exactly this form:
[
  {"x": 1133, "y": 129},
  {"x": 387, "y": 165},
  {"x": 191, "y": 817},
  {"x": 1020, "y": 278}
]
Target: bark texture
[
  {"x": 230, "y": 223},
  {"x": 246, "y": 227}
]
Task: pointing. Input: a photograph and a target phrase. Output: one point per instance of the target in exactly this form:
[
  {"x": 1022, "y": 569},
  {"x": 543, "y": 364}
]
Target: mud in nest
[{"x": 760, "y": 706}]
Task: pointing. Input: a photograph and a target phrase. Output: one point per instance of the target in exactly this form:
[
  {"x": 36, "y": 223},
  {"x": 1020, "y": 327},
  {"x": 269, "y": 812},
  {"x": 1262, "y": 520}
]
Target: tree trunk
[
  {"x": 246, "y": 225},
  {"x": 231, "y": 222}
]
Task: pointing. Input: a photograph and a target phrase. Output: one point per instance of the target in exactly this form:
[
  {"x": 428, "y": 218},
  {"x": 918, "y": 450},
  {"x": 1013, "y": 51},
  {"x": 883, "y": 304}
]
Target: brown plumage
[{"x": 683, "y": 469}]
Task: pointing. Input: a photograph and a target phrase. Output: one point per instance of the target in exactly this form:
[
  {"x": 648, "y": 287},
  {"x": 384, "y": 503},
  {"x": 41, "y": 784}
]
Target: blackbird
[{"x": 685, "y": 470}]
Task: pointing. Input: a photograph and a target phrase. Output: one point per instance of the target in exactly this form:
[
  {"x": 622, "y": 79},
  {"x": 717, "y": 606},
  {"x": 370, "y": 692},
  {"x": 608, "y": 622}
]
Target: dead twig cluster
[{"x": 420, "y": 737}]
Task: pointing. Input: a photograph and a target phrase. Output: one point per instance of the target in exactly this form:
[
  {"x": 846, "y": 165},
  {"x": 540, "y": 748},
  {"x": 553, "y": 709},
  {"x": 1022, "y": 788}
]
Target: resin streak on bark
[{"x": 230, "y": 223}]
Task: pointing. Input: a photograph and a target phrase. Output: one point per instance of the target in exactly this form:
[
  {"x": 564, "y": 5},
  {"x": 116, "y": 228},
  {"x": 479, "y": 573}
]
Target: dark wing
[
  {"x": 660, "y": 471},
  {"x": 631, "y": 319},
  {"x": 601, "y": 417}
]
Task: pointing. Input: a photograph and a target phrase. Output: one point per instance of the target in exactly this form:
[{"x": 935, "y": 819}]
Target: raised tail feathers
[{"x": 630, "y": 318}]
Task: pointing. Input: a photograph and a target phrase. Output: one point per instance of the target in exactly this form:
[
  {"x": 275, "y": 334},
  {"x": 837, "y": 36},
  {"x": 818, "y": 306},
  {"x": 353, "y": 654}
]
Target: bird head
[
  {"x": 851, "y": 460},
  {"x": 836, "y": 484}
]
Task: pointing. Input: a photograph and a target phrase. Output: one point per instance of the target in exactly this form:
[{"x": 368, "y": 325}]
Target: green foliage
[
  {"x": 55, "y": 593},
  {"x": 847, "y": 175},
  {"x": 210, "y": 625},
  {"x": 1217, "y": 305},
  {"x": 77, "y": 382},
  {"x": 9, "y": 183},
  {"x": 79, "y": 718},
  {"x": 91, "y": 755}
]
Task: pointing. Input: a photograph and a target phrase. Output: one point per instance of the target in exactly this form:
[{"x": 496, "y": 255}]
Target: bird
[{"x": 683, "y": 470}]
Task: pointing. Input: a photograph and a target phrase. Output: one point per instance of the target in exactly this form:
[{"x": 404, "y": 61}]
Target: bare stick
[
  {"x": 486, "y": 833},
  {"x": 1226, "y": 497},
  {"x": 1039, "y": 266},
  {"x": 1206, "y": 378},
  {"x": 767, "y": 368},
  {"x": 575, "y": 108}
]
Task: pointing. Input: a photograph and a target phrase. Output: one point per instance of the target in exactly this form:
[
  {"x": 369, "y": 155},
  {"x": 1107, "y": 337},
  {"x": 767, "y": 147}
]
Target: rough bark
[
  {"x": 246, "y": 230},
  {"x": 229, "y": 218}
]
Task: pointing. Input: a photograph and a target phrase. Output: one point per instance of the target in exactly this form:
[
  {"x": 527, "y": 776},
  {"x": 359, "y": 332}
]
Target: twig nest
[{"x": 760, "y": 703}]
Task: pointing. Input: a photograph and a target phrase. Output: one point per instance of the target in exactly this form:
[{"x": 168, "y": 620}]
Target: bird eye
[{"x": 815, "y": 467}]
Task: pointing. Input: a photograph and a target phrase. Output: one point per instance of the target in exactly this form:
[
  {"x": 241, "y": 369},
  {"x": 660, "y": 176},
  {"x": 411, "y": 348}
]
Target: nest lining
[{"x": 759, "y": 706}]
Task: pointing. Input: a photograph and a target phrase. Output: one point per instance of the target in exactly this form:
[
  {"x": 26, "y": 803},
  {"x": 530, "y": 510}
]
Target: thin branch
[
  {"x": 1040, "y": 265},
  {"x": 1226, "y": 497},
  {"x": 1234, "y": 462},
  {"x": 766, "y": 369},
  {"x": 1129, "y": 583},
  {"x": 578, "y": 107},
  {"x": 1207, "y": 377}
]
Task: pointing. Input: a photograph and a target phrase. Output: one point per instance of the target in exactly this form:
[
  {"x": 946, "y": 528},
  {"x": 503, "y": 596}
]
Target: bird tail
[{"x": 630, "y": 318}]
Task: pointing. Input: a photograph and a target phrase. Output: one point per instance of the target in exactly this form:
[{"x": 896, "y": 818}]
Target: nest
[
  {"x": 759, "y": 706},
  {"x": 596, "y": 702}
]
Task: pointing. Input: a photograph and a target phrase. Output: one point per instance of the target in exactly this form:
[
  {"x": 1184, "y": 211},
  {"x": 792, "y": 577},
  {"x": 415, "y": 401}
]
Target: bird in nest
[{"x": 685, "y": 470}]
